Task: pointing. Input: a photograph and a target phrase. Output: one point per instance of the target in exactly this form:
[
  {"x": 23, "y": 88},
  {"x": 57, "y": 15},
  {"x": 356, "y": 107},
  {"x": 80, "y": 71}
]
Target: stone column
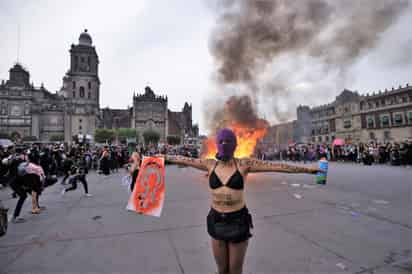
[
  {"x": 35, "y": 126},
  {"x": 67, "y": 127}
]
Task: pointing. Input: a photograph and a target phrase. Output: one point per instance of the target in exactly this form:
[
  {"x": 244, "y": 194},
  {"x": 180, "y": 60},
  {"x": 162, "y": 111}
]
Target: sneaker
[
  {"x": 63, "y": 192},
  {"x": 88, "y": 195}
]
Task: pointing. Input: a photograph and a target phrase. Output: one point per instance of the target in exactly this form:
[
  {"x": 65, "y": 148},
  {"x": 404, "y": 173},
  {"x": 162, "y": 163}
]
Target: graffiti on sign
[{"x": 149, "y": 190}]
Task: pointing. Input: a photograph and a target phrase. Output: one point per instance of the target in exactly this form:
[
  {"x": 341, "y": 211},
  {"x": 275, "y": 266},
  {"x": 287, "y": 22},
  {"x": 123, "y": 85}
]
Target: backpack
[{"x": 21, "y": 169}]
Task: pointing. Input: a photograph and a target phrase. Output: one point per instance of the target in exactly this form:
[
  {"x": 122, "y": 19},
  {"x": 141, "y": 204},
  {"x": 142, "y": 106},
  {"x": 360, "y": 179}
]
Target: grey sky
[{"x": 164, "y": 44}]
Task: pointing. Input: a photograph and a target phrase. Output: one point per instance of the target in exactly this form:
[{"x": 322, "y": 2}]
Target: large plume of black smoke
[
  {"x": 237, "y": 110},
  {"x": 252, "y": 37}
]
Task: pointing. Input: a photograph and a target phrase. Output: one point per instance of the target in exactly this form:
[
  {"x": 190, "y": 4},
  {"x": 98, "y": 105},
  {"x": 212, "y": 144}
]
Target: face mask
[{"x": 226, "y": 144}]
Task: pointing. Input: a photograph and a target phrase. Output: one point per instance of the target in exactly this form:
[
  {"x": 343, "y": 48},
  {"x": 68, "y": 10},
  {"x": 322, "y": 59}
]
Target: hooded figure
[{"x": 226, "y": 144}]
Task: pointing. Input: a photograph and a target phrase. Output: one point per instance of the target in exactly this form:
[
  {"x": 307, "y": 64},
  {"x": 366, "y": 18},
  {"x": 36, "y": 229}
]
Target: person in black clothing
[
  {"x": 112, "y": 159},
  {"x": 382, "y": 155},
  {"x": 15, "y": 158},
  {"x": 46, "y": 161},
  {"x": 67, "y": 166},
  {"x": 395, "y": 155},
  {"x": 22, "y": 184},
  {"x": 229, "y": 221},
  {"x": 3, "y": 220},
  {"x": 34, "y": 155},
  {"x": 305, "y": 154},
  {"x": 78, "y": 173},
  {"x": 105, "y": 163},
  {"x": 409, "y": 152},
  {"x": 4, "y": 169},
  {"x": 55, "y": 162},
  {"x": 403, "y": 150}
]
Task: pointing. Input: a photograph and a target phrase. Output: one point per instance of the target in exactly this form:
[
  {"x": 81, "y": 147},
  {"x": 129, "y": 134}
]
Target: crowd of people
[
  {"x": 28, "y": 169},
  {"x": 372, "y": 153}
]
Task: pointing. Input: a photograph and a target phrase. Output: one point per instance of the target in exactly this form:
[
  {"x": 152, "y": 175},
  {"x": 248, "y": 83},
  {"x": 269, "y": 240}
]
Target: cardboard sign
[{"x": 149, "y": 191}]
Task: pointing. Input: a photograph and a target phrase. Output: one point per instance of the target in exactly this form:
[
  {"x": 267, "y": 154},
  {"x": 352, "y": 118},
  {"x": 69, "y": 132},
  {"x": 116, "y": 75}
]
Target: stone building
[
  {"x": 81, "y": 89},
  {"x": 150, "y": 112},
  {"x": 27, "y": 110},
  {"x": 279, "y": 136},
  {"x": 381, "y": 116},
  {"x": 180, "y": 123},
  {"x": 30, "y": 111},
  {"x": 115, "y": 118}
]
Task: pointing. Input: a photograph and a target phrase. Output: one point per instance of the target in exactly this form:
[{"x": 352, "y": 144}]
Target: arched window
[
  {"x": 74, "y": 84},
  {"x": 89, "y": 95},
  {"x": 74, "y": 94},
  {"x": 81, "y": 89},
  {"x": 89, "y": 85}
]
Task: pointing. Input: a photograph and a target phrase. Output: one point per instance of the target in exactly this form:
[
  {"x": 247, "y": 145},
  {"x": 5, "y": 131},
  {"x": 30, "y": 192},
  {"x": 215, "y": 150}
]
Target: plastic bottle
[{"x": 322, "y": 175}]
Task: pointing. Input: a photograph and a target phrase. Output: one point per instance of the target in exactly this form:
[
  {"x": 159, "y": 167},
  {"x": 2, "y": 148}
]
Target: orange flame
[{"x": 246, "y": 141}]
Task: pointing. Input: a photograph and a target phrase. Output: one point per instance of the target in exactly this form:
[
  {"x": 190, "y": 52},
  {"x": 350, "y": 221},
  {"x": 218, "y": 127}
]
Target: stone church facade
[
  {"x": 150, "y": 112},
  {"x": 74, "y": 110},
  {"x": 27, "y": 110}
]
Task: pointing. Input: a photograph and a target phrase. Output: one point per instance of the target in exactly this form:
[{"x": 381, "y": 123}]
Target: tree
[
  {"x": 103, "y": 135},
  {"x": 151, "y": 136},
  {"x": 125, "y": 133},
  {"x": 15, "y": 136},
  {"x": 173, "y": 140},
  {"x": 57, "y": 138}
]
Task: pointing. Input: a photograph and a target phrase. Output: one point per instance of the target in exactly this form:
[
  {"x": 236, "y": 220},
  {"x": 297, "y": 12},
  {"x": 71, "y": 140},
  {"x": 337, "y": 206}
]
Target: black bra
[{"x": 235, "y": 181}]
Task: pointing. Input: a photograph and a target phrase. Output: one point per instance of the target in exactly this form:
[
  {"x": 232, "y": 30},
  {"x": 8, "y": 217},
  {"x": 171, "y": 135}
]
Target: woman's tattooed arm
[
  {"x": 202, "y": 164},
  {"x": 254, "y": 165}
]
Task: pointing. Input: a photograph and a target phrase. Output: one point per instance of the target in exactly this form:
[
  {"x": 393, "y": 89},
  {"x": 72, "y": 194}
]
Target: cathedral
[{"x": 35, "y": 112}]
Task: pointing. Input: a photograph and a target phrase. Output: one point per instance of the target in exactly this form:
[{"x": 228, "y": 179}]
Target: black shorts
[
  {"x": 32, "y": 183},
  {"x": 231, "y": 227}
]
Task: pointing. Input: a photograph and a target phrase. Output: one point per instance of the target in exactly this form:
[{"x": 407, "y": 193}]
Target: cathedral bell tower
[{"x": 81, "y": 88}]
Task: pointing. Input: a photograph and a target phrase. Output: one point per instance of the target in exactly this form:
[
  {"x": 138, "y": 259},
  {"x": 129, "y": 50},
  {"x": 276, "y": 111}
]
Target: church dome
[{"x": 85, "y": 39}]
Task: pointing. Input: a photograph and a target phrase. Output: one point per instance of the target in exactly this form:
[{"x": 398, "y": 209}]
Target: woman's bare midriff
[{"x": 225, "y": 199}]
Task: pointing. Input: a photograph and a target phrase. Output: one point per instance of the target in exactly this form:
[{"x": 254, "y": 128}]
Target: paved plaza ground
[{"x": 361, "y": 222}]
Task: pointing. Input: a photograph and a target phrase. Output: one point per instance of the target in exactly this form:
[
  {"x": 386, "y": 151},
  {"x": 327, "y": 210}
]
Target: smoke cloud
[
  {"x": 238, "y": 110},
  {"x": 318, "y": 38}
]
